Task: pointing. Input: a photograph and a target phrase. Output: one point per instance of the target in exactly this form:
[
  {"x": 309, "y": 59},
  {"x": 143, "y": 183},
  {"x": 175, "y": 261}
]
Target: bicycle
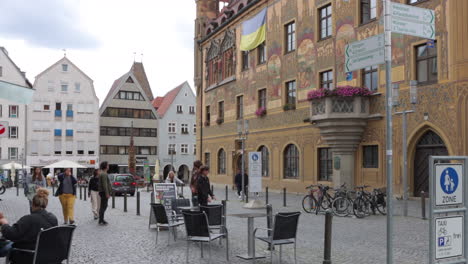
[
  {"x": 367, "y": 201},
  {"x": 342, "y": 201},
  {"x": 309, "y": 202}
]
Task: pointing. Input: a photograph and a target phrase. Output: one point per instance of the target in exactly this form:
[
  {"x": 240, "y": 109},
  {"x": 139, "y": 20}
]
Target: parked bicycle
[
  {"x": 343, "y": 201},
  {"x": 318, "y": 198},
  {"x": 366, "y": 202}
]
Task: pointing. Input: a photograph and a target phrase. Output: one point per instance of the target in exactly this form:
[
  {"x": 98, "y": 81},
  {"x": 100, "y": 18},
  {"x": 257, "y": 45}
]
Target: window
[
  {"x": 265, "y": 159},
  {"x": 171, "y": 128},
  {"x": 14, "y": 111},
  {"x": 325, "y": 15},
  {"x": 368, "y": 10},
  {"x": 194, "y": 128},
  {"x": 69, "y": 132},
  {"x": 77, "y": 87},
  {"x": 221, "y": 161},
  {"x": 207, "y": 116},
  {"x": 64, "y": 67},
  {"x": 245, "y": 60},
  {"x": 262, "y": 98},
  {"x": 69, "y": 148},
  {"x": 80, "y": 147},
  {"x": 128, "y": 95},
  {"x": 46, "y": 107},
  {"x": 13, "y": 132},
  {"x": 261, "y": 53},
  {"x": 34, "y": 147},
  {"x": 291, "y": 162},
  {"x": 127, "y": 131},
  {"x": 69, "y": 107},
  {"x": 326, "y": 79},
  {"x": 370, "y": 156},
  {"x": 194, "y": 149},
  {"x": 207, "y": 159},
  {"x": 192, "y": 109},
  {"x": 240, "y": 107},
  {"x": 128, "y": 113},
  {"x": 58, "y": 147},
  {"x": 58, "y": 106},
  {"x": 184, "y": 148},
  {"x": 64, "y": 87},
  {"x": 290, "y": 37},
  {"x": 184, "y": 128},
  {"x": 12, "y": 153},
  {"x": 221, "y": 111},
  {"x": 171, "y": 149},
  {"x": 426, "y": 63},
  {"x": 291, "y": 93},
  {"x": 370, "y": 78},
  {"x": 179, "y": 109},
  {"x": 58, "y": 132},
  {"x": 325, "y": 164}
]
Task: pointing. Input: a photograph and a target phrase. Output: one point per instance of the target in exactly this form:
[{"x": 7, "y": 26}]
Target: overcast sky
[{"x": 101, "y": 36}]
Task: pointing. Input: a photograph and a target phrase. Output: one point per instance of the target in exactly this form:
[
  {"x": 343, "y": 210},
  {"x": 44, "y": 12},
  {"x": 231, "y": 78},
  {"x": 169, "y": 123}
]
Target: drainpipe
[{"x": 201, "y": 101}]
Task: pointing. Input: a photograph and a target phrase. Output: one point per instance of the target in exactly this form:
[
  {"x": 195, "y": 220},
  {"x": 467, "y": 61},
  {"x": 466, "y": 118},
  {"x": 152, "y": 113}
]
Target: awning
[{"x": 16, "y": 93}]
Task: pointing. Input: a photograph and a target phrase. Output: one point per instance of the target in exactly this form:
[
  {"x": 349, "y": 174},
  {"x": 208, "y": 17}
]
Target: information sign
[
  {"x": 448, "y": 184},
  {"x": 449, "y": 236},
  {"x": 255, "y": 171}
]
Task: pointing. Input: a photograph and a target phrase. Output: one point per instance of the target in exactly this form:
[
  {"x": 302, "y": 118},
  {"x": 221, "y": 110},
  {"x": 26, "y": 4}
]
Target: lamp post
[
  {"x": 413, "y": 101},
  {"x": 243, "y": 132},
  {"x": 172, "y": 150}
]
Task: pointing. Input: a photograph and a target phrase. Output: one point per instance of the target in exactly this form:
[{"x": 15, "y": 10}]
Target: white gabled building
[
  {"x": 177, "y": 126},
  {"x": 13, "y": 146},
  {"x": 63, "y": 119}
]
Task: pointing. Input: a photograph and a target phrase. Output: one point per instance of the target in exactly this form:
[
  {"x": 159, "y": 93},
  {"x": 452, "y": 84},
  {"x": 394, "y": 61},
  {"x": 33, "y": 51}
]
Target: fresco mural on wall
[{"x": 306, "y": 55}]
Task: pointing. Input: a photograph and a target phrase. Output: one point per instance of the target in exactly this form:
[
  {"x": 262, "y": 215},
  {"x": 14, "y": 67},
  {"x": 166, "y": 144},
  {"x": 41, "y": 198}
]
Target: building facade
[
  {"x": 176, "y": 111},
  {"x": 330, "y": 141},
  {"x": 63, "y": 118},
  {"x": 129, "y": 105},
  {"x": 13, "y": 145}
]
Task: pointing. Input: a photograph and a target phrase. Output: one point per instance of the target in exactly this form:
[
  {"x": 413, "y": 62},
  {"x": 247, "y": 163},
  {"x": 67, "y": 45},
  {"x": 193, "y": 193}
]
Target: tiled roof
[
  {"x": 139, "y": 72},
  {"x": 167, "y": 100},
  {"x": 158, "y": 101}
]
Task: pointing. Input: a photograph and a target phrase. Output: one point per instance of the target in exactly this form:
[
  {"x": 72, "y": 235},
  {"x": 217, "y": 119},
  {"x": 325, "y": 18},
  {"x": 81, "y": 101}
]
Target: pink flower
[
  {"x": 260, "y": 112},
  {"x": 341, "y": 91}
]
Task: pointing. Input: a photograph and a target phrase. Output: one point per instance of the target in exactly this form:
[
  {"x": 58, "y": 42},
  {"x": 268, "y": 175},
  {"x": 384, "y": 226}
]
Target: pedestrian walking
[
  {"x": 32, "y": 183},
  {"x": 105, "y": 190},
  {"x": 67, "y": 195},
  {"x": 238, "y": 182},
  {"x": 93, "y": 193},
  {"x": 204, "y": 192},
  {"x": 193, "y": 181}
]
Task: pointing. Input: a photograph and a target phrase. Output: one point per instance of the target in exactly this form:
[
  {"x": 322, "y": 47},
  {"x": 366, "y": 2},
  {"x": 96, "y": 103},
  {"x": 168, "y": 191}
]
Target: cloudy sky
[{"x": 101, "y": 37}]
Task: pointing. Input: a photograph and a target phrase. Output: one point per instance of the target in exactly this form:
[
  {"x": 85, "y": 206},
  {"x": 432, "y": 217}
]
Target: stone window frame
[
  {"x": 287, "y": 160},
  {"x": 287, "y": 35},
  {"x": 329, "y": 164},
  {"x": 413, "y": 60},
  {"x": 319, "y": 20},
  {"x": 221, "y": 161},
  {"x": 375, "y": 163}
]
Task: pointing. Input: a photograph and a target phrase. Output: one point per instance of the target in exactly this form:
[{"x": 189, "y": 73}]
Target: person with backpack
[
  {"x": 193, "y": 181},
  {"x": 204, "y": 192}
]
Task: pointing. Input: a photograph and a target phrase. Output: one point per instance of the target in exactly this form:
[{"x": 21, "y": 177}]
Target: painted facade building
[
  {"x": 304, "y": 50},
  {"x": 176, "y": 111},
  {"x": 13, "y": 145},
  {"x": 129, "y": 105},
  {"x": 63, "y": 118}
]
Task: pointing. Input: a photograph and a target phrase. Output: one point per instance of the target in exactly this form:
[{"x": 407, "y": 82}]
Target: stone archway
[
  {"x": 166, "y": 170},
  {"x": 429, "y": 144},
  {"x": 183, "y": 173}
]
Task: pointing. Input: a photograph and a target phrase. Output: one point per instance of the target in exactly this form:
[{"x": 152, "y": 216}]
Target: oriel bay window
[
  {"x": 426, "y": 63},
  {"x": 291, "y": 162}
]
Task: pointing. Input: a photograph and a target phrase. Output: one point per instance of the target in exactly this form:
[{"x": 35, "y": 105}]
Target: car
[{"x": 122, "y": 184}]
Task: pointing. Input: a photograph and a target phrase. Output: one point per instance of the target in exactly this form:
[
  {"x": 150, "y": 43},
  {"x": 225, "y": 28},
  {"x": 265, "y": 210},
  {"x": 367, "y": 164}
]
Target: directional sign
[
  {"x": 3, "y": 129},
  {"x": 255, "y": 171},
  {"x": 449, "y": 237},
  {"x": 414, "y": 21},
  {"x": 449, "y": 184},
  {"x": 365, "y": 53}
]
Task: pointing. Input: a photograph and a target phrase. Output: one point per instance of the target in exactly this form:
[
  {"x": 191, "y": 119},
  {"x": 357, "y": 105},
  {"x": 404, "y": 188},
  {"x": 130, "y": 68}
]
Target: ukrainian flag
[{"x": 253, "y": 31}]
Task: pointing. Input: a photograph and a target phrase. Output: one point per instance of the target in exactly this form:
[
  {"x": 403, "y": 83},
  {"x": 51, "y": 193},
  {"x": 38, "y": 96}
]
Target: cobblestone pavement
[{"x": 128, "y": 239}]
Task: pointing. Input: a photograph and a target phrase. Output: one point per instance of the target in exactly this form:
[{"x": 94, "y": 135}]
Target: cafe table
[{"x": 250, "y": 233}]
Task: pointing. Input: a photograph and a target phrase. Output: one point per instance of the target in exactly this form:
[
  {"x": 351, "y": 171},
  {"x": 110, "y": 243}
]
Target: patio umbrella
[
  {"x": 13, "y": 165},
  {"x": 65, "y": 164}
]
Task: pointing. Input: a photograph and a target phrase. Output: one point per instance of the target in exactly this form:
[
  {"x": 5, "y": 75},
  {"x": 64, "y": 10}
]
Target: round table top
[{"x": 248, "y": 215}]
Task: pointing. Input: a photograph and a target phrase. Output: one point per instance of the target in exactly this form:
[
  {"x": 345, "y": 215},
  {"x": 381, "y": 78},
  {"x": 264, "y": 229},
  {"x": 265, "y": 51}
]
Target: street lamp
[
  {"x": 243, "y": 132},
  {"x": 172, "y": 150},
  {"x": 413, "y": 100}
]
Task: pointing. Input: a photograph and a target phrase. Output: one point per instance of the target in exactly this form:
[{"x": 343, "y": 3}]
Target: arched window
[
  {"x": 265, "y": 161},
  {"x": 240, "y": 7},
  {"x": 223, "y": 20},
  {"x": 291, "y": 162},
  {"x": 221, "y": 161}
]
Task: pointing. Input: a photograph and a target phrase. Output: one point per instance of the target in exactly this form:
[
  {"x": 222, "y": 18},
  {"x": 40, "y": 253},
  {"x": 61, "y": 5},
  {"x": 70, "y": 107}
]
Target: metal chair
[
  {"x": 284, "y": 232},
  {"x": 198, "y": 230},
  {"x": 176, "y": 204},
  {"x": 53, "y": 245},
  {"x": 162, "y": 220},
  {"x": 216, "y": 218}
]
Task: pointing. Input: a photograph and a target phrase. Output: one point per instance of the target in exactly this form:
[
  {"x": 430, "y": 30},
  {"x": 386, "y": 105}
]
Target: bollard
[
  {"x": 81, "y": 193},
  {"x": 53, "y": 189},
  {"x": 223, "y": 202},
  {"x": 266, "y": 195},
  {"x": 17, "y": 190},
  {"x": 284, "y": 197},
  {"x": 125, "y": 202},
  {"x": 113, "y": 200},
  {"x": 212, "y": 188},
  {"x": 247, "y": 194},
  {"x": 152, "y": 197},
  {"x": 269, "y": 212},
  {"x": 226, "y": 191},
  {"x": 85, "y": 193},
  {"x": 138, "y": 203},
  {"x": 423, "y": 205},
  {"x": 328, "y": 237}
]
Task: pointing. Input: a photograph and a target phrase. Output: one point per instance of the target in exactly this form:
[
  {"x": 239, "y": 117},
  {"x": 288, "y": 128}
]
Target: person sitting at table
[
  {"x": 172, "y": 179},
  {"x": 23, "y": 234},
  {"x": 204, "y": 187}
]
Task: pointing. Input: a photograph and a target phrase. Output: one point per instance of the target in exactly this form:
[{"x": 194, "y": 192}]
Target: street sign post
[
  {"x": 448, "y": 224},
  {"x": 414, "y": 21},
  {"x": 255, "y": 171},
  {"x": 3, "y": 129},
  {"x": 365, "y": 53}
]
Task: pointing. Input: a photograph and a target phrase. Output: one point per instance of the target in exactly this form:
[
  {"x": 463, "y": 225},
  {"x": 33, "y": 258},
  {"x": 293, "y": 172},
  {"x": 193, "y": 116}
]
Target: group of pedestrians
[{"x": 200, "y": 185}]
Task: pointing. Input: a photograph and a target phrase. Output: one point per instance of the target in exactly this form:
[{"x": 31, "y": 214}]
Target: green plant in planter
[{"x": 287, "y": 107}]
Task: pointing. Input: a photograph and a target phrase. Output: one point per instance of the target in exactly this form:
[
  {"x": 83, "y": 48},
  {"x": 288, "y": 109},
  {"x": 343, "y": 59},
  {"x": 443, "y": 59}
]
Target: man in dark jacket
[
  {"x": 204, "y": 191},
  {"x": 238, "y": 182},
  {"x": 93, "y": 193},
  {"x": 105, "y": 190}
]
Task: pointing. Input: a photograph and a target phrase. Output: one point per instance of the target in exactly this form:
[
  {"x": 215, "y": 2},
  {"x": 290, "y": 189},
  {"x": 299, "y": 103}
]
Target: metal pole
[
  {"x": 423, "y": 205},
  {"x": 284, "y": 197},
  {"x": 246, "y": 194},
  {"x": 226, "y": 193},
  {"x": 405, "y": 166},
  {"x": 152, "y": 197},
  {"x": 81, "y": 192},
  {"x": 328, "y": 237},
  {"x": 125, "y": 202},
  {"x": 242, "y": 169},
  {"x": 138, "y": 203},
  {"x": 113, "y": 200},
  {"x": 85, "y": 193},
  {"x": 266, "y": 195},
  {"x": 269, "y": 212}
]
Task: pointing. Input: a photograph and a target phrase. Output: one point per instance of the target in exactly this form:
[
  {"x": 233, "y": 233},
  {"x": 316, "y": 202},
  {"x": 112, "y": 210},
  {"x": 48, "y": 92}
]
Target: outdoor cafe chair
[
  {"x": 53, "y": 246},
  {"x": 198, "y": 230},
  {"x": 162, "y": 220},
  {"x": 216, "y": 218},
  {"x": 284, "y": 232},
  {"x": 177, "y": 204}
]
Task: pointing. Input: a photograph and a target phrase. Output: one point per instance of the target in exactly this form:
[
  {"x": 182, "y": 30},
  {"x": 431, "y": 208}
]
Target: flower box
[
  {"x": 219, "y": 121},
  {"x": 288, "y": 107},
  {"x": 340, "y": 91},
  {"x": 261, "y": 112}
]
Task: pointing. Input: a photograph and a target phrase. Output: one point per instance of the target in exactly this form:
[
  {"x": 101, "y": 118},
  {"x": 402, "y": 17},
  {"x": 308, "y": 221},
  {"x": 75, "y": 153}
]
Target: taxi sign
[
  {"x": 448, "y": 184},
  {"x": 449, "y": 237}
]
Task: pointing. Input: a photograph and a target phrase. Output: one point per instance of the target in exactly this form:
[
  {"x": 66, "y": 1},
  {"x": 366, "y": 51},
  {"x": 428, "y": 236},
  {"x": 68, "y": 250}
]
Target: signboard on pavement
[
  {"x": 449, "y": 184},
  {"x": 414, "y": 21},
  {"x": 449, "y": 236},
  {"x": 3, "y": 129},
  {"x": 365, "y": 53},
  {"x": 255, "y": 171},
  {"x": 164, "y": 194}
]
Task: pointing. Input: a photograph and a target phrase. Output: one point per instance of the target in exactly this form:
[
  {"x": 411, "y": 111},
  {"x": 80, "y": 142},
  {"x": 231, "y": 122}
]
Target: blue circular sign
[
  {"x": 449, "y": 180},
  {"x": 255, "y": 157}
]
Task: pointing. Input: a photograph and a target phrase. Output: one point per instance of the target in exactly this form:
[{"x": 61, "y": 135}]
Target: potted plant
[
  {"x": 287, "y": 107},
  {"x": 261, "y": 112},
  {"x": 219, "y": 121},
  {"x": 340, "y": 91}
]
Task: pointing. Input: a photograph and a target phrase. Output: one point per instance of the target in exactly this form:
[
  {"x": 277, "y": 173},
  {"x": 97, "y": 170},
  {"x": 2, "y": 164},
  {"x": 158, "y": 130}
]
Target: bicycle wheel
[
  {"x": 308, "y": 204},
  {"x": 360, "y": 207},
  {"x": 340, "y": 206},
  {"x": 381, "y": 205},
  {"x": 2, "y": 189},
  {"x": 326, "y": 202}
]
